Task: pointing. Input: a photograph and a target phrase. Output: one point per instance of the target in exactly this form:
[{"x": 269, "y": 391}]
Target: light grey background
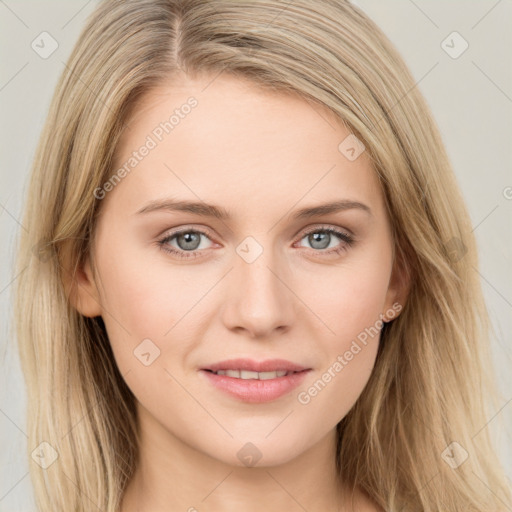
[{"x": 471, "y": 98}]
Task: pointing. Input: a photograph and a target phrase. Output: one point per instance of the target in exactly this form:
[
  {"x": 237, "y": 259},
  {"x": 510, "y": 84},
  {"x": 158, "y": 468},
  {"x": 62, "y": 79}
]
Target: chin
[{"x": 259, "y": 452}]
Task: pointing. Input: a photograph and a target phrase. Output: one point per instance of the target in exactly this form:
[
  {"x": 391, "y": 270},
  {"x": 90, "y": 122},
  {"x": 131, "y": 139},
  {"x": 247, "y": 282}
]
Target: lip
[
  {"x": 254, "y": 390},
  {"x": 269, "y": 365}
]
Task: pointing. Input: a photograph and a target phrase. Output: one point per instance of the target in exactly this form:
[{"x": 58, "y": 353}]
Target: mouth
[
  {"x": 249, "y": 375},
  {"x": 255, "y": 382}
]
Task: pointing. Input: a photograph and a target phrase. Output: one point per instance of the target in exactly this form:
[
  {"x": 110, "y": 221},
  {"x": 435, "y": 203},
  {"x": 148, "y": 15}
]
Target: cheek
[
  {"x": 147, "y": 297},
  {"x": 140, "y": 302},
  {"x": 352, "y": 300},
  {"x": 349, "y": 357},
  {"x": 352, "y": 309}
]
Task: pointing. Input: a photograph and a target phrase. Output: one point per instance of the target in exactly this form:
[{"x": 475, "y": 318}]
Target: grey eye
[
  {"x": 189, "y": 240},
  {"x": 319, "y": 240}
]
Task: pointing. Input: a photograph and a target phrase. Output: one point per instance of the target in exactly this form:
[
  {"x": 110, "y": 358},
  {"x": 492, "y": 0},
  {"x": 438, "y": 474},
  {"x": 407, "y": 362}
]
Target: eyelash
[{"x": 344, "y": 237}]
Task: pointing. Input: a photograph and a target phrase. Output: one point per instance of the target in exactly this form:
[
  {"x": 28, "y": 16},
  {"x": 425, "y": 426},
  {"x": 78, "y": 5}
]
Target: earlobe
[{"x": 83, "y": 291}]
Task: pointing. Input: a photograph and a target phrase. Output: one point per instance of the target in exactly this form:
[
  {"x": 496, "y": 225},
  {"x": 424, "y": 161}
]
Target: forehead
[{"x": 228, "y": 140}]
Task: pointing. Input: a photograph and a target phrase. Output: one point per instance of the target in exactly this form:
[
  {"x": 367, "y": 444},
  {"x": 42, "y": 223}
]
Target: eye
[
  {"x": 188, "y": 243},
  {"x": 320, "y": 239}
]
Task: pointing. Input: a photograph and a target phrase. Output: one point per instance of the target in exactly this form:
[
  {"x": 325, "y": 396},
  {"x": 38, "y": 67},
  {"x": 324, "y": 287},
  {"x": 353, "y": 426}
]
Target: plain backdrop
[{"x": 469, "y": 92}]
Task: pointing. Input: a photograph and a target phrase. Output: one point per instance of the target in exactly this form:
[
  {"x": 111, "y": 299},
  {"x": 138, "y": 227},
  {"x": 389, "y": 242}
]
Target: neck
[{"x": 172, "y": 475}]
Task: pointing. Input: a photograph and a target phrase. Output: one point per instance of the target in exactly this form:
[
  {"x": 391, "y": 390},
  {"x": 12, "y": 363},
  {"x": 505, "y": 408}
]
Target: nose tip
[{"x": 257, "y": 300}]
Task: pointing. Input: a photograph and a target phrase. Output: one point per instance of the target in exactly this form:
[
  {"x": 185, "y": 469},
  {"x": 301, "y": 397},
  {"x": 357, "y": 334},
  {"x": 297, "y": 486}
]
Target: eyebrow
[{"x": 209, "y": 210}]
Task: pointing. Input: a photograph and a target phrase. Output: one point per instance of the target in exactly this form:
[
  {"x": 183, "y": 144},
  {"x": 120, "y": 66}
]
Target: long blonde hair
[{"x": 432, "y": 375}]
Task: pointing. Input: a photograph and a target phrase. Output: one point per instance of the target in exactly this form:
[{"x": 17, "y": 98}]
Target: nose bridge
[{"x": 258, "y": 300}]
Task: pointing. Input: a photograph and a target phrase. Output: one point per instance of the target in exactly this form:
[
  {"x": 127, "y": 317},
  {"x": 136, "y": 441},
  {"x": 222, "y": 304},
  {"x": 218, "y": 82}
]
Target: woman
[{"x": 252, "y": 285}]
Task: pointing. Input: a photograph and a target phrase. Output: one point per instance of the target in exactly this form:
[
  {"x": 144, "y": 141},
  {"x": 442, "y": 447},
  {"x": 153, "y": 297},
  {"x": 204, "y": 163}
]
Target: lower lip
[{"x": 253, "y": 390}]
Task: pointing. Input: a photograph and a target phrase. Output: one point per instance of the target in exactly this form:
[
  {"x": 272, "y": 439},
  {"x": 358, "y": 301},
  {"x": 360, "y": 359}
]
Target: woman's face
[{"x": 250, "y": 279}]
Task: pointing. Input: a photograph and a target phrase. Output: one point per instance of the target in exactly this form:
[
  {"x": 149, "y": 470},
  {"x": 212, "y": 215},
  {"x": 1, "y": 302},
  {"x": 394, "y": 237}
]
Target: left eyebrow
[
  {"x": 210, "y": 210},
  {"x": 333, "y": 207}
]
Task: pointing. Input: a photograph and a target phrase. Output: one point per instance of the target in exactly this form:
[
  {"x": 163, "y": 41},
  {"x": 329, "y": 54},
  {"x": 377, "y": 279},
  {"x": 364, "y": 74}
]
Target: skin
[{"x": 260, "y": 155}]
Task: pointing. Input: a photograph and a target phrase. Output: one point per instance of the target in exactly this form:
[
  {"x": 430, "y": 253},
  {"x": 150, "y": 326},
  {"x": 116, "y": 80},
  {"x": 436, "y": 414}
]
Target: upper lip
[{"x": 269, "y": 365}]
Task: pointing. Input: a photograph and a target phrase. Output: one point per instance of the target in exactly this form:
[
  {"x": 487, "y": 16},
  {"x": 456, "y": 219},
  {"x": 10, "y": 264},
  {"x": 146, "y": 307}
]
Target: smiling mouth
[
  {"x": 255, "y": 387},
  {"x": 250, "y": 375}
]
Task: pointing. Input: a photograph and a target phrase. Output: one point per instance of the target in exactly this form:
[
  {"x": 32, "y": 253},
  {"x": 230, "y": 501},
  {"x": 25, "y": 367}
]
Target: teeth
[
  {"x": 246, "y": 375},
  {"x": 268, "y": 375}
]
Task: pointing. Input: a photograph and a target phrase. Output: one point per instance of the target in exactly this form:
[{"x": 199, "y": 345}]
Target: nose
[{"x": 259, "y": 299}]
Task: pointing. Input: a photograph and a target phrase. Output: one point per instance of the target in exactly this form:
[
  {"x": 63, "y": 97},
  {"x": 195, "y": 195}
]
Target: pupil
[
  {"x": 190, "y": 239},
  {"x": 317, "y": 237}
]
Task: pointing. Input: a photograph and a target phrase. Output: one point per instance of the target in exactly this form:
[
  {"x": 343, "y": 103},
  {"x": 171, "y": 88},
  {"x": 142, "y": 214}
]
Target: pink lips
[{"x": 253, "y": 390}]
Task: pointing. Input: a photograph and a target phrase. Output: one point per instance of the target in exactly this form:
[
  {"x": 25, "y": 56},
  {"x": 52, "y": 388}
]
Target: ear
[
  {"x": 81, "y": 287},
  {"x": 398, "y": 288}
]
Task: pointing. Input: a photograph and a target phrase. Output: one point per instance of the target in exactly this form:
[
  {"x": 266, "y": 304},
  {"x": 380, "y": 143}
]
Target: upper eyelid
[{"x": 305, "y": 231}]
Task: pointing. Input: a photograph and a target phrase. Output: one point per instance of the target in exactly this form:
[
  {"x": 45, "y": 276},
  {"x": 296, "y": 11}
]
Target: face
[{"x": 285, "y": 306}]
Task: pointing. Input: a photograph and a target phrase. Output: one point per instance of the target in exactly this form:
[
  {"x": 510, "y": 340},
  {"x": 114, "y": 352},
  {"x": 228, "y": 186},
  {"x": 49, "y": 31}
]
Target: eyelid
[
  {"x": 168, "y": 233},
  {"x": 206, "y": 231},
  {"x": 320, "y": 227},
  {"x": 345, "y": 236}
]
